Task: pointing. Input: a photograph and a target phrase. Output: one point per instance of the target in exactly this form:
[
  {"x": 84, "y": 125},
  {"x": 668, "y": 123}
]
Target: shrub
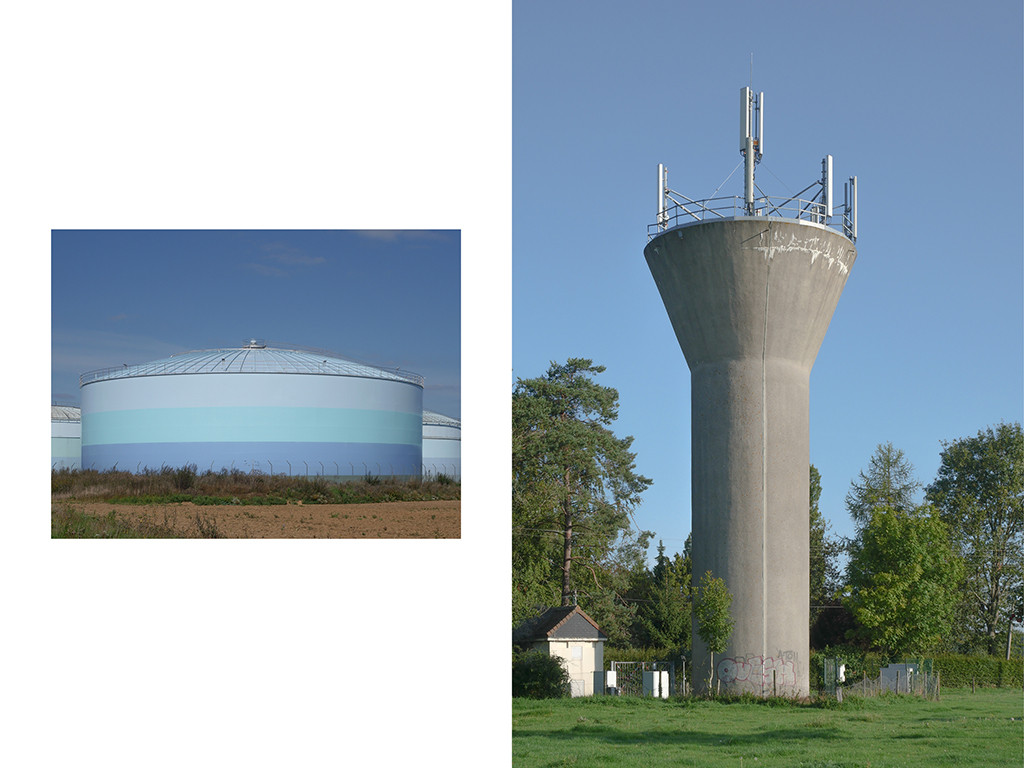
[
  {"x": 185, "y": 477},
  {"x": 61, "y": 481},
  {"x": 207, "y": 528},
  {"x": 536, "y": 675}
]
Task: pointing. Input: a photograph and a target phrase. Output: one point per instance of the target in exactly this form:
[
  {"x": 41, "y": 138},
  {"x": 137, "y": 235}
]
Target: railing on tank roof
[
  {"x": 432, "y": 419},
  {"x": 731, "y": 207}
]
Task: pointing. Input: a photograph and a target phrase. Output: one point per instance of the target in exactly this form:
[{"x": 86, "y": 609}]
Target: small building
[
  {"x": 898, "y": 677},
  {"x": 567, "y": 632}
]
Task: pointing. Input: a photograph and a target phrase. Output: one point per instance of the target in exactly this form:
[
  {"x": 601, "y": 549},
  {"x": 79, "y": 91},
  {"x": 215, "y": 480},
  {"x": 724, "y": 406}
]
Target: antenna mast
[
  {"x": 662, "y": 189},
  {"x": 751, "y": 139},
  {"x": 819, "y": 209}
]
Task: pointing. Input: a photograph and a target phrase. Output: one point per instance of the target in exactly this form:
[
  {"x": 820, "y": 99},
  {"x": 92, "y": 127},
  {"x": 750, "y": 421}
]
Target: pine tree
[
  {"x": 889, "y": 483},
  {"x": 574, "y": 488},
  {"x": 824, "y": 552},
  {"x": 663, "y": 607}
]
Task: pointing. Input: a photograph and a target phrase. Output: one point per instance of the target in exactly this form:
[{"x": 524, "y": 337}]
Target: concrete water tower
[{"x": 750, "y": 286}]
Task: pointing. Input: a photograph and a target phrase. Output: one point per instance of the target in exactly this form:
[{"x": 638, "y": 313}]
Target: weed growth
[{"x": 173, "y": 485}]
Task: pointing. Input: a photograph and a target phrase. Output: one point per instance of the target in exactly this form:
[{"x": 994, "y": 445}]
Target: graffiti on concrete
[{"x": 758, "y": 672}]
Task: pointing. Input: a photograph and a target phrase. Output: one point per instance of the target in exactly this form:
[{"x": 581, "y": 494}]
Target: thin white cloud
[
  {"x": 286, "y": 254},
  {"x": 279, "y": 257},
  {"x": 266, "y": 269},
  {"x": 395, "y": 235}
]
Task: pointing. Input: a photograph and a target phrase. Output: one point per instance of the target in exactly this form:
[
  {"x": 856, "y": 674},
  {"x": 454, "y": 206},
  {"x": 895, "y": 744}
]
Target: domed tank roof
[
  {"x": 256, "y": 356},
  {"x": 65, "y": 412},
  {"x": 438, "y": 419}
]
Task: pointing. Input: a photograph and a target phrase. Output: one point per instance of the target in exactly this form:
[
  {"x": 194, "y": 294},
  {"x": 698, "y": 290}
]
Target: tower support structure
[{"x": 750, "y": 299}]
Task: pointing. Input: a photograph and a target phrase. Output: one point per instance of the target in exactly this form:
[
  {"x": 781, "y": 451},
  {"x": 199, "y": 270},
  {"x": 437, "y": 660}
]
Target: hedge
[{"x": 956, "y": 671}]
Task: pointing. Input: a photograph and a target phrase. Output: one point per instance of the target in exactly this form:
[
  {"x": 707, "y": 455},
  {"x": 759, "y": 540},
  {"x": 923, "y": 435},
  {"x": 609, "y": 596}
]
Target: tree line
[{"x": 946, "y": 574}]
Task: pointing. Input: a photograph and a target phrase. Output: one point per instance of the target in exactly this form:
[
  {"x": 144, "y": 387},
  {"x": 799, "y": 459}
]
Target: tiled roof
[{"x": 563, "y": 623}]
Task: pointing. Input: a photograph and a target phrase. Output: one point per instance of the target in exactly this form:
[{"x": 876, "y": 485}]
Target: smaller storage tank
[
  {"x": 442, "y": 452},
  {"x": 65, "y": 436}
]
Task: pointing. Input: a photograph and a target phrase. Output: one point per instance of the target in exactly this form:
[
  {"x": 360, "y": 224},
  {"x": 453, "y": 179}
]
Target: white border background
[{"x": 227, "y": 115}]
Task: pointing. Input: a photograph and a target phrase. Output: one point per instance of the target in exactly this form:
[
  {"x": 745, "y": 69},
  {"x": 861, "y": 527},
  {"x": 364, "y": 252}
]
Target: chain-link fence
[
  {"x": 433, "y": 471},
  {"x": 912, "y": 677},
  {"x": 629, "y": 677}
]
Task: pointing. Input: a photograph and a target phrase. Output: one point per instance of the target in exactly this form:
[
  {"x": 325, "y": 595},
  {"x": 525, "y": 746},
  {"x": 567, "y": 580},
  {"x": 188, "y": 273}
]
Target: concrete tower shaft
[{"x": 750, "y": 299}]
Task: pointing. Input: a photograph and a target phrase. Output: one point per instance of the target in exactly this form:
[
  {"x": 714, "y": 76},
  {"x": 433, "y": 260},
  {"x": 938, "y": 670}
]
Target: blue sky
[
  {"x": 385, "y": 297},
  {"x": 924, "y": 108}
]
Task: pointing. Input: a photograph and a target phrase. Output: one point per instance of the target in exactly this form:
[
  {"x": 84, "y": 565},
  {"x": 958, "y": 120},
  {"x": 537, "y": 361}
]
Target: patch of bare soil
[{"x": 386, "y": 520}]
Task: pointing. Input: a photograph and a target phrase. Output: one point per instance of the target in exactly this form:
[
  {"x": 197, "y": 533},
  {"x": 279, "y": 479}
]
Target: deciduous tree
[
  {"x": 712, "y": 602},
  {"x": 980, "y": 494},
  {"x": 903, "y": 580}
]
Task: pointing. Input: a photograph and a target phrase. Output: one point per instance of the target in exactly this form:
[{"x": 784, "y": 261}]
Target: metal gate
[{"x": 629, "y": 676}]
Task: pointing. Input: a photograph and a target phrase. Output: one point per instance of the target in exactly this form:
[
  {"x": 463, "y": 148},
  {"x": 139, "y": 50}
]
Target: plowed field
[{"x": 388, "y": 520}]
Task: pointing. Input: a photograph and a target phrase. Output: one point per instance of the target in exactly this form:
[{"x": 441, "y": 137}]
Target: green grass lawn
[{"x": 982, "y": 729}]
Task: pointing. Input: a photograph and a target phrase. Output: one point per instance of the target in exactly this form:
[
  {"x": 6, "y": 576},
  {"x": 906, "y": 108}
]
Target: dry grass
[
  {"x": 170, "y": 484},
  {"x": 183, "y": 503}
]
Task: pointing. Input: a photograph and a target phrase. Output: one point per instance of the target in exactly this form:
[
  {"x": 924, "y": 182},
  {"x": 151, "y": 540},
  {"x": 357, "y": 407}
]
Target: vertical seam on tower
[{"x": 764, "y": 465}]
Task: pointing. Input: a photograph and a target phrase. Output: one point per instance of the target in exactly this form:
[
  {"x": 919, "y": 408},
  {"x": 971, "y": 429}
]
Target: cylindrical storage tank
[
  {"x": 274, "y": 410},
  {"x": 65, "y": 437},
  {"x": 442, "y": 445}
]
